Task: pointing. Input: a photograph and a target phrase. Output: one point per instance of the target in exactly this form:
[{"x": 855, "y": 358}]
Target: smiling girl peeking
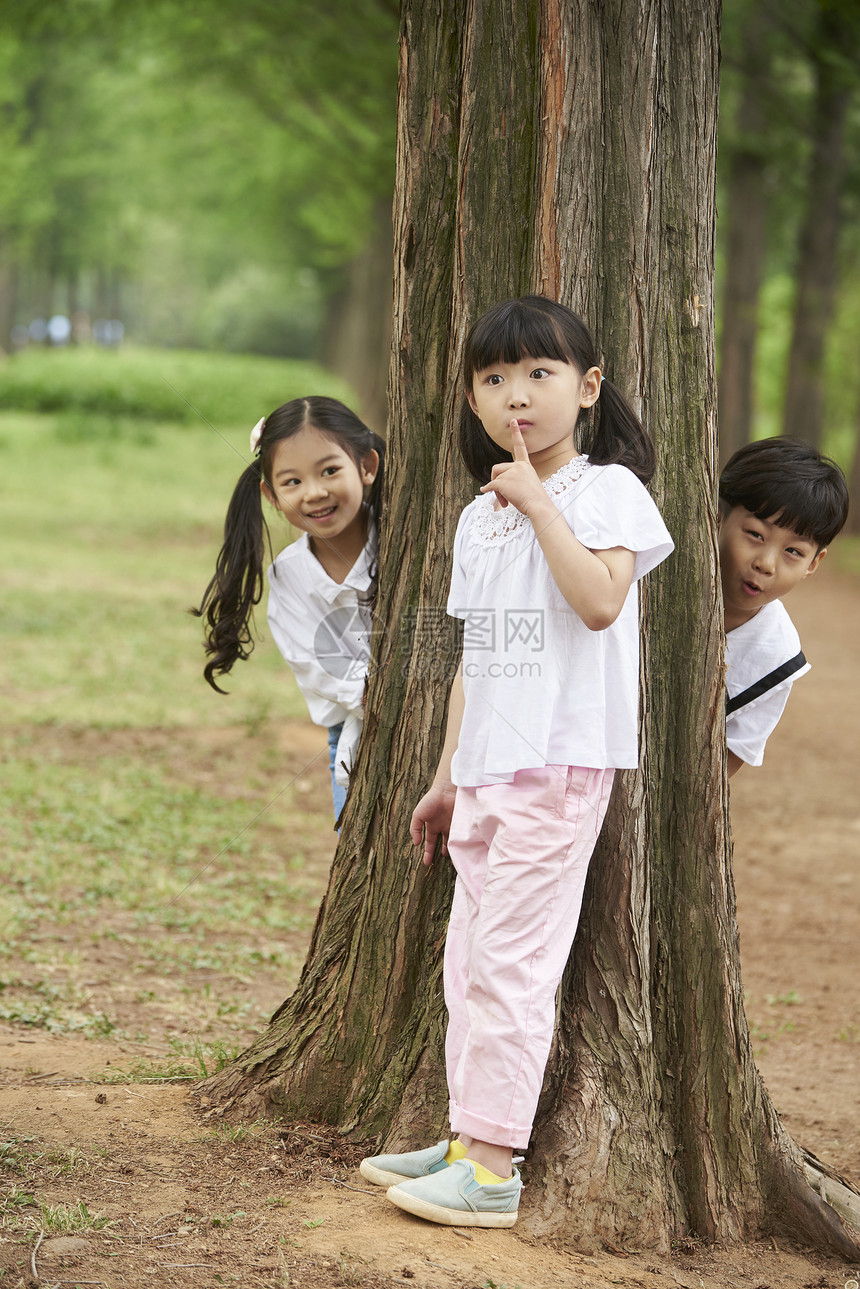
[{"x": 319, "y": 467}]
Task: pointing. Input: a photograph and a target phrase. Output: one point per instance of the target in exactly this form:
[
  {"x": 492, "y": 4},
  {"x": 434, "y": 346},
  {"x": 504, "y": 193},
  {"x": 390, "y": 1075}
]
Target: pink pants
[{"x": 521, "y": 851}]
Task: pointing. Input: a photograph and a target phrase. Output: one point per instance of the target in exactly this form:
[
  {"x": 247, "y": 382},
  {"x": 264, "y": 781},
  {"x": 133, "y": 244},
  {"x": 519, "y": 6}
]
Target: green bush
[{"x": 158, "y": 384}]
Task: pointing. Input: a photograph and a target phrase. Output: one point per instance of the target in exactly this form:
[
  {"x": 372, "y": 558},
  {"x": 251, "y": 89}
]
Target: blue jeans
[{"x": 338, "y": 793}]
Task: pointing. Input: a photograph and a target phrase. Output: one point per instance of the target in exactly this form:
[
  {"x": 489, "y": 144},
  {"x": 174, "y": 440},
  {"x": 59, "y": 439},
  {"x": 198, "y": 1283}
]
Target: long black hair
[
  {"x": 229, "y": 599},
  {"x": 536, "y": 327}
]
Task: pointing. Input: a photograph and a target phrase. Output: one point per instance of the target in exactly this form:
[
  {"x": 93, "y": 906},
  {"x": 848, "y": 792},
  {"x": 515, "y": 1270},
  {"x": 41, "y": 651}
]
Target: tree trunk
[
  {"x": 73, "y": 305},
  {"x": 853, "y": 524},
  {"x": 356, "y": 340},
  {"x": 8, "y": 300},
  {"x": 746, "y": 217},
  {"x": 819, "y": 238},
  {"x": 574, "y": 155}
]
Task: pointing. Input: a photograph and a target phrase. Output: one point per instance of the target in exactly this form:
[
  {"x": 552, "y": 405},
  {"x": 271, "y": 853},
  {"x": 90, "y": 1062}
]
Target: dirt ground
[{"x": 175, "y": 1198}]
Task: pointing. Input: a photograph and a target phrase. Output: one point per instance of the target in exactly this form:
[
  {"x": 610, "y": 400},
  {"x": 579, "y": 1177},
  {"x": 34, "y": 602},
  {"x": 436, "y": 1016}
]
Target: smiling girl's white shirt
[
  {"x": 330, "y": 669},
  {"x": 753, "y": 650},
  {"x": 571, "y": 695}
]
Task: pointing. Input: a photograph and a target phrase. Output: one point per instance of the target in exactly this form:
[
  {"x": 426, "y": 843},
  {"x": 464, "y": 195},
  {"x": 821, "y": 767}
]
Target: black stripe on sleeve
[{"x": 770, "y": 681}]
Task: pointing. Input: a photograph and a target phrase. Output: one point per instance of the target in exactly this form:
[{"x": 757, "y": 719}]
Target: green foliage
[
  {"x": 201, "y": 169},
  {"x": 772, "y": 58},
  {"x": 60, "y": 204},
  {"x": 154, "y": 385},
  {"x": 772, "y": 352},
  {"x": 325, "y": 78}
]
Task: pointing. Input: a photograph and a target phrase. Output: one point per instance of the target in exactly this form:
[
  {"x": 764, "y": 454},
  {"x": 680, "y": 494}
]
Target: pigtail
[
  {"x": 613, "y": 434},
  {"x": 229, "y": 599}
]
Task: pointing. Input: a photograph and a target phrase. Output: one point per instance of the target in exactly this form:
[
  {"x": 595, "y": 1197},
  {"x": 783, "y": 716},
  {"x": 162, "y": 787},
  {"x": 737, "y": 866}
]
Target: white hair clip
[{"x": 257, "y": 434}]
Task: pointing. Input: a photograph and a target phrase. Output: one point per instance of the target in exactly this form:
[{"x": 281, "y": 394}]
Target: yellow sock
[
  {"x": 455, "y": 1151},
  {"x": 485, "y": 1177}
]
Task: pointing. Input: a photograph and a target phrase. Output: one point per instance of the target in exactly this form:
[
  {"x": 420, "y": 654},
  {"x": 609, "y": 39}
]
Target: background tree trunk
[
  {"x": 819, "y": 237},
  {"x": 746, "y": 203},
  {"x": 8, "y": 300},
  {"x": 356, "y": 337},
  {"x": 593, "y": 181},
  {"x": 853, "y": 524}
]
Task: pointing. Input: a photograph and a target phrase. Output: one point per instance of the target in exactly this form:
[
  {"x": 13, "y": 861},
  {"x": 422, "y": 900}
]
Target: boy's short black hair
[{"x": 790, "y": 483}]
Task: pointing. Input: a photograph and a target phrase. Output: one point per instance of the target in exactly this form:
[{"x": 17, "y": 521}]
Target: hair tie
[{"x": 257, "y": 434}]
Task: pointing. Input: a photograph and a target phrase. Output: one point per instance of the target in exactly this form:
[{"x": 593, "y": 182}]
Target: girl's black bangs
[{"x": 520, "y": 333}]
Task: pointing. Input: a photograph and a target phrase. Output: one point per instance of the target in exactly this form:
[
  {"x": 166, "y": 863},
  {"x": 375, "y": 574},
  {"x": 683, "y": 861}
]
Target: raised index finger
[{"x": 518, "y": 443}]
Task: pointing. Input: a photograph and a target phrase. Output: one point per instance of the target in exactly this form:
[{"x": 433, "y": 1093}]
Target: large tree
[{"x": 567, "y": 148}]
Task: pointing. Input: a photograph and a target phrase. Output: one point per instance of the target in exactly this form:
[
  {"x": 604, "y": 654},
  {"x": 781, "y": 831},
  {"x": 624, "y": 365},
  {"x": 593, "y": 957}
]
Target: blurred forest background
[{"x": 216, "y": 175}]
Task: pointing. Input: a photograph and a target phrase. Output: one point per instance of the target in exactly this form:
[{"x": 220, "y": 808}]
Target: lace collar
[{"x": 493, "y": 527}]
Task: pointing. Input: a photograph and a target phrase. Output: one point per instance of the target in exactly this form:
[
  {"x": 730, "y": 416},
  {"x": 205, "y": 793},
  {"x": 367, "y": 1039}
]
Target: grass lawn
[{"x": 154, "y": 833}]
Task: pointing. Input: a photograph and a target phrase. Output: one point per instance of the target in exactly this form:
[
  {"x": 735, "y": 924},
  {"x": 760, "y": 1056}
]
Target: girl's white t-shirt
[
  {"x": 322, "y": 629},
  {"x": 541, "y": 688},
  {"x": 753, "y": 650}
]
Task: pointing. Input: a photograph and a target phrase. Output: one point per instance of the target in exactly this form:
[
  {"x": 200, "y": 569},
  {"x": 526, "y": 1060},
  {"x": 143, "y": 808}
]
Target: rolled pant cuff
[{"x": 497, "y": 1134}]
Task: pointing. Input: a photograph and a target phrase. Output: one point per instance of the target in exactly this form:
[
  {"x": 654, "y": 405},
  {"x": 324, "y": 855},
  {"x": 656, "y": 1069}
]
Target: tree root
[{"x": 808, "y": 1197}]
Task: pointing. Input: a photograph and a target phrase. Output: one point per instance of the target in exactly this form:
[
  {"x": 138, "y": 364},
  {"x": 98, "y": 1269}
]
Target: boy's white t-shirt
[
  {"x": 541, "y": 688},
  {"x": 753, "y": 650},
  {"x": 322, "y": 629}
]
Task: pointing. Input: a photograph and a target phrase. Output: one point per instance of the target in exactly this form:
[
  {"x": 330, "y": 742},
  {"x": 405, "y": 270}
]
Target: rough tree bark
[{"x": 568, "y": 148}]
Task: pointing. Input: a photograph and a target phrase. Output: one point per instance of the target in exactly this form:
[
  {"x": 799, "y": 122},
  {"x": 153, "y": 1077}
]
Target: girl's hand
[
  {"x": 516, "y": 481},
  {"x": 431, "y": 818}
]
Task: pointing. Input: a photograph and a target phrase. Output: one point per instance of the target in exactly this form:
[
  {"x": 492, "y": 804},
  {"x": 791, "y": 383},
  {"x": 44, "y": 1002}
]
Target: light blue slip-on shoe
[
  {"x": 390, "y": 1170},
  {"x": 454, "y": 1197}
]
